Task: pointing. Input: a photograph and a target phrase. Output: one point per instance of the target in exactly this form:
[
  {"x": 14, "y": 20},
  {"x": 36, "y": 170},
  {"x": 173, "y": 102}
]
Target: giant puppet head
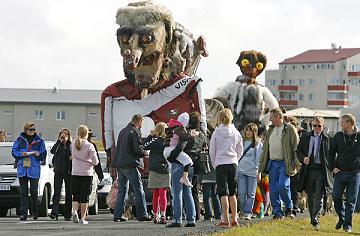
[
  {"x": 251, "y": 64},
  {"x": 153, "y": 46}
]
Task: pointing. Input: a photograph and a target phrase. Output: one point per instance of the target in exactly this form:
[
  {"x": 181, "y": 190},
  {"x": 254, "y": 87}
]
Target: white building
[{"x": 317, "y": 79}]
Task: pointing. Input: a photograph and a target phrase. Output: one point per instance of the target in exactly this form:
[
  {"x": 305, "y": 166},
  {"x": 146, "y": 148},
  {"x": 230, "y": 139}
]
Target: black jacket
[
  {"x": 303, "y": 151},
  {"x": 192, "y": 148},
  {"x": 61, "y": 161},
  {"x": 157, "y": 161},
  {"x": 128, "y": 148},
  {"x": 98, "y": 168},
  {"x": 345, "y": 151}
]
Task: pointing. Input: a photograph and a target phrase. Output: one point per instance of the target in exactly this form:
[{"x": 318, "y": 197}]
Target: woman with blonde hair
[
  {"x": 62, "y": 167},
  {"x": 225, "y": 151},
  {"x": 248, "y": 170},
  {"x": 83, "y": 161},
  {"x": 159, "y": 177},
  {"x": 29, "y": 150}
]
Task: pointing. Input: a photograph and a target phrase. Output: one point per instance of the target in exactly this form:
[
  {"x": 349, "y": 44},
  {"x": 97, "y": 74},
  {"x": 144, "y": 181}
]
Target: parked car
[
  {"x": 105, "y": 184},
  {"x": 10, "y": 187}
]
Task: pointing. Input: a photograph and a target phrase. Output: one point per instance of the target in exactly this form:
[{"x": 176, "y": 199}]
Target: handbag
[{"x": 202, "y": 163}]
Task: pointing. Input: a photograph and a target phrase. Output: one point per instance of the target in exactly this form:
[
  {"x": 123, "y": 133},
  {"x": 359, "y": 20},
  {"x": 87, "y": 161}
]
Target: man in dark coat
[
  {"x": 312, "y": 152},
  {"x": 127, "y": 159}
]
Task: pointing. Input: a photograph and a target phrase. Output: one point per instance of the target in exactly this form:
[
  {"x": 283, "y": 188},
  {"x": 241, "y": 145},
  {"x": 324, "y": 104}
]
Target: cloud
[{"x": 74, "y": 41}]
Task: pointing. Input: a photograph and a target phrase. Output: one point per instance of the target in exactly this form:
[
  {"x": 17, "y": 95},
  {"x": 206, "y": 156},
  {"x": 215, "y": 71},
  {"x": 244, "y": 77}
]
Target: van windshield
[{"x": 5, "y": 156}]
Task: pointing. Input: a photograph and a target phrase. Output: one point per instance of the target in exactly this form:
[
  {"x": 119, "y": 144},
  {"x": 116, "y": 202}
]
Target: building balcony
[
  {"x": 353, "y": 74},
  {"x": 288, "y": 88},
  {"x": 338, "y": 88},
  {"x": 338, "y": 103},
  {"x": 288, "y": 102}
]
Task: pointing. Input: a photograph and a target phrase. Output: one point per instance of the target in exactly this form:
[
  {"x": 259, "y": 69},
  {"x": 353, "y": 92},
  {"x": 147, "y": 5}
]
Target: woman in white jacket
[{"x": 225, "y": 151}]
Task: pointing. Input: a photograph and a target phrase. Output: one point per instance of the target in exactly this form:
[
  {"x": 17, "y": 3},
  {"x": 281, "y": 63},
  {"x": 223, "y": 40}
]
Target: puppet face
[
  {"x": 143, "y": 49},
  {"x": 251, "y": 63}
]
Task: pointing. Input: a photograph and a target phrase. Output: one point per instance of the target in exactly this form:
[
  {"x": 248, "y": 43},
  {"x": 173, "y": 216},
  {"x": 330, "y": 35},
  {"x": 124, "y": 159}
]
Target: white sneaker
[
  {"x": 186, "y": 181},
  {"x": 75, "y": 217},
  {"x": 84, "y": 222},
  {"x": 247, "y": 217}
]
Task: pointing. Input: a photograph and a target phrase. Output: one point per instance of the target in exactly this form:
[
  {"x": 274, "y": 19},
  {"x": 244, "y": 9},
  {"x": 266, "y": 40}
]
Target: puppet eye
[
  {"x": 259, "y": 66},
  {"x": 245, "y": 62},
  {"x": 125, "y": 39},
  {"x": 146, "y": 39}
]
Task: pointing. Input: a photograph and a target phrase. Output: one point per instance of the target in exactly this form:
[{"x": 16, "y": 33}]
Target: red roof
[{"x": 322, "y": 55}]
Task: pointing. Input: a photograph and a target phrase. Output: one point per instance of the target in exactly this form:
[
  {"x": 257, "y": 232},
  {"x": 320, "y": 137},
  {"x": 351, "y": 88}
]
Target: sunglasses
[
  {"x": 32, "y": 129},
  {"x": 317, "y": 126}
]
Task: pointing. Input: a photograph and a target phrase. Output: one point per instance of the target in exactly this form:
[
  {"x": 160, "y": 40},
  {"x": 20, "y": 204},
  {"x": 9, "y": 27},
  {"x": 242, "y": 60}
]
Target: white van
[{"x": 10, "y": 187}]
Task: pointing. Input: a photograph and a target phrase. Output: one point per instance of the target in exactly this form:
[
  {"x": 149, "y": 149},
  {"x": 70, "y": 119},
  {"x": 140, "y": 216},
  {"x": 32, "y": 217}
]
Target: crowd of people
[{"x": 250, "y": 171}]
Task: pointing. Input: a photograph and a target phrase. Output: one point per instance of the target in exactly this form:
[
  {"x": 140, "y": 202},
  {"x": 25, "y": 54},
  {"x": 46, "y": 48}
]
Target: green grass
[{"x": 293, "y": 227}]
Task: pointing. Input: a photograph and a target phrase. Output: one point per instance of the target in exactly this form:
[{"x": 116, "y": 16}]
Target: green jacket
[{"x": 289, "y": 140}]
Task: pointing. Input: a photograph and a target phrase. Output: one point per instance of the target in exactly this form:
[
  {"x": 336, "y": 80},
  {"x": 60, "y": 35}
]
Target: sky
[{"x": 72, "y": 43}]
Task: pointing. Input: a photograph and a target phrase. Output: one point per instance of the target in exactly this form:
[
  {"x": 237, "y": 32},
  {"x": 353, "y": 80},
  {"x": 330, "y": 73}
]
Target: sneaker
[
  {"x": 317, "y": 227},
  {"x": 277, "y": 217},
  {"x": 121, "y": 219},
  {"x": 75, "y": 217},
  {"x": 339, "y": 224},
  {"x": 23, "y": 217},
  {"x": 289, "y": 213},
  {"x": 83, "y": 222},
  {"x": 186, "y": 182},
  {"x": 190, "y": 225},
  {"x": 347, "y": 229},
  {"x": 144, "y": 218},
  {"x": 156, "y": 220},
  {"x": 224, "y": 224},
  {"x": 247, "y": 217},
  {"x": 162, "y": 220}
]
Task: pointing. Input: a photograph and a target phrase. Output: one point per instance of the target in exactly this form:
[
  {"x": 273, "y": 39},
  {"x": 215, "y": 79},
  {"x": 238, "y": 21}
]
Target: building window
[
  {"x": 311, "y": 96},
  {"x": 301, "y": 81},
  {"x": 301, "y": 96},
  {"x": 336, "y": 96},
  {"x": 311, "y": 82},
  {"x": 8, "y": 112},
  {"x": 39, "y": 115},
  {"x": 92, "y": 114},
  {"x": 60, "y": 115}
]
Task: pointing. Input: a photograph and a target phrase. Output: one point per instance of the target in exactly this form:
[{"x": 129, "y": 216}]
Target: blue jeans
[
  {"x": 209, "y": 191},
  {"x": 357, "y": 207},
  {"x": 125, "y": 175},
  {"x": 180, "y": 192},
  {"x": 349, "y": 181},
  {"x": 246, "y": 192},
  {"x": 279, "y": 183}
]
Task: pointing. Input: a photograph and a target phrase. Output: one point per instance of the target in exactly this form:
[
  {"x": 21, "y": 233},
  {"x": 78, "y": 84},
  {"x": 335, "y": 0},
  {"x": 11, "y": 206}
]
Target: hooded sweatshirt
[
  {"x": 225, "y": 145},
  {"x": 249, "y": 164},
  {"x": 84, "y": 160}
]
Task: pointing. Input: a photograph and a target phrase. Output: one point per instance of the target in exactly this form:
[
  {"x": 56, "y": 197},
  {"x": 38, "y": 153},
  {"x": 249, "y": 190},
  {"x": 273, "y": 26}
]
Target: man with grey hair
[
  {"x": 312, "y": 152},
  {"x": 279, "y": 160},
  {"x": 344, "y": 161}
]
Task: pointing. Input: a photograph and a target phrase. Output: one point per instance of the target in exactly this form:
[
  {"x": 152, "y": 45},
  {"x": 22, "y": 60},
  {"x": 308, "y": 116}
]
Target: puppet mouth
[{"x": 144, "y": 82}]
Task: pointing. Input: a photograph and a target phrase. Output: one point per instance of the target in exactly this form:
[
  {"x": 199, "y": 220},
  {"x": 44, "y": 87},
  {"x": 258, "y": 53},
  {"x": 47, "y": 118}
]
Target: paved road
[{"x": 102, "y": 224}]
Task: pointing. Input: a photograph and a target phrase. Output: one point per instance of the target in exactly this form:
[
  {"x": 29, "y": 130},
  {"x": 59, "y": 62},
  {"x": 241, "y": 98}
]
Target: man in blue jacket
[
  {"x": 29, "y": 150},
  {"x": 344, "y": 161}
]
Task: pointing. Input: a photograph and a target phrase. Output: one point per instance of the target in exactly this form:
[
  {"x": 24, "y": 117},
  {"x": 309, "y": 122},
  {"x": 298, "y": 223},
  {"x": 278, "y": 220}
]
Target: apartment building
[
  {"x": 327, "y": 79},
  {"x": 50, "y": 109}
]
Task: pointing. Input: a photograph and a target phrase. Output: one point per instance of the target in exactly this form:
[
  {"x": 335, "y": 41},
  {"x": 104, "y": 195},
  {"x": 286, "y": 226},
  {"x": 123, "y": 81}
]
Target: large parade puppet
[
  {"x": 160, "y": 57},
  {"x": 248, "y": 99}
]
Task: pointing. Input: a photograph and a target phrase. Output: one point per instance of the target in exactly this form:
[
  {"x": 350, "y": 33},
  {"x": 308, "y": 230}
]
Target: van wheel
[
  {"x": 44, "y": 205},
  {"x": 3, "y": 212},
  {"x": 93, "y": 210}
]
